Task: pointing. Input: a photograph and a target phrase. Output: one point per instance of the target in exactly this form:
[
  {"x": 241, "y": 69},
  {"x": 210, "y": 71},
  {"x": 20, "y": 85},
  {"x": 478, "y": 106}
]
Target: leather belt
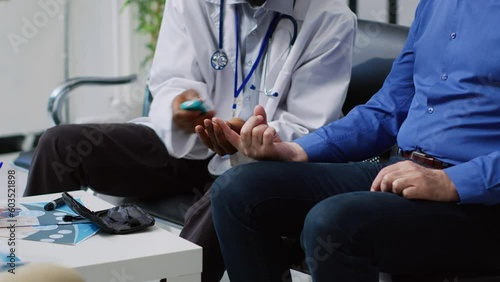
[{"x": 425, "y": 159}]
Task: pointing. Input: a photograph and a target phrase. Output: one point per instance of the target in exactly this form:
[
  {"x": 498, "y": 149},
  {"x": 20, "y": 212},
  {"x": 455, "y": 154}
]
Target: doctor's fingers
[
  {"x": 209, "y": 129},
  {"x": 222, "y": 141},
  {"x": 189, "y": 94},
  {"x": 231, "y": 136},
  {"x": 185, "y": 125},
  {"x": 202, "y": 134},
  {"x": 183, "y": 118}
]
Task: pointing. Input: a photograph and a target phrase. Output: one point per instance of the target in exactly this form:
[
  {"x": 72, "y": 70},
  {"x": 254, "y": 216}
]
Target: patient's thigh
[{"x": 277, "y": 196}]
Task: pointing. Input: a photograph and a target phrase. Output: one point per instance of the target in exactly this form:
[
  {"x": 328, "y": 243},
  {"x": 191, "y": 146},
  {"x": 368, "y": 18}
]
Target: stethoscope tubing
[
  {"x": 263, "y": 46},
  {"x": 221, "y": 23},
  {"x": 221, "y": 54}
]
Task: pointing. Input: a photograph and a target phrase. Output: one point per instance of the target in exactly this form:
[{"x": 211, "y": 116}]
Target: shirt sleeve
[
  {"x": 478, "y": 180},
  {"x": 371, "y": 128}
]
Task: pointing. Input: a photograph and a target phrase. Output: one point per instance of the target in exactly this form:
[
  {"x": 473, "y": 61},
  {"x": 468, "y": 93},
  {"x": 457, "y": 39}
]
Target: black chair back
[{"x": 377, "y": 45}]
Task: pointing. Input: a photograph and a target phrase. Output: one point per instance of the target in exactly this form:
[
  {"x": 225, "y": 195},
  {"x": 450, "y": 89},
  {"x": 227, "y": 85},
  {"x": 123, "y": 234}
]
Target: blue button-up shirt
[{"x": 442, "y": 97}]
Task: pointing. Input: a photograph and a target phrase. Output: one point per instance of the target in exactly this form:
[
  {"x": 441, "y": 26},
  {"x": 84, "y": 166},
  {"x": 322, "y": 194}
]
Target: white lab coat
[{"x": 311, "y": 81}]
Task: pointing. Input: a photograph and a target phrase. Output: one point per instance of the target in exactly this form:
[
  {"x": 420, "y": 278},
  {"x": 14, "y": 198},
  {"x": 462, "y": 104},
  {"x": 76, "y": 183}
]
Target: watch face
[{"x": 219, "y": 60}]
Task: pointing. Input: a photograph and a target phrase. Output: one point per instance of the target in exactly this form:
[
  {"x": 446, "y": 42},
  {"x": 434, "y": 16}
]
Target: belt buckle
[
  {"x": 426, "y": 159},
  {"x": 419, "y": 155}
]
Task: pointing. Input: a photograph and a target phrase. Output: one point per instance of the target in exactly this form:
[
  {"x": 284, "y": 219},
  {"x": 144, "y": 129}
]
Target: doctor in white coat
[{"x": 309, "y": 78}]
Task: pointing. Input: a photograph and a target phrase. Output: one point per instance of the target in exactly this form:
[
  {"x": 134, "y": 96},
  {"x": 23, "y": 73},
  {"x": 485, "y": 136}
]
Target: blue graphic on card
[{"x": 36, "y": 224}]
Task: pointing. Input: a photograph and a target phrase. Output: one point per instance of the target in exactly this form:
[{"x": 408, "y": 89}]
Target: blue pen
[{"x": 54, "y": 204}]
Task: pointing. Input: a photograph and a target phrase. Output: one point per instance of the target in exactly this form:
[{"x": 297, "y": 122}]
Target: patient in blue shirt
[{"x": 433, "y": 208}]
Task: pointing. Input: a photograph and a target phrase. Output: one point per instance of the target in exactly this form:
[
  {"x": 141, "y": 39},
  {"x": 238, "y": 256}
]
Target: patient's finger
[
  {"x": 260, "y": 111},
  {"x": 269, "y": 136},
  {"x": 258, "y": 134},
  {"x": 247, "y": 128}
]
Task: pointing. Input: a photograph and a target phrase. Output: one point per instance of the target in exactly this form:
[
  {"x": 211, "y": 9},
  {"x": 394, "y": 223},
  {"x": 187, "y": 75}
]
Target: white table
[{"x": 148, "y": 255}]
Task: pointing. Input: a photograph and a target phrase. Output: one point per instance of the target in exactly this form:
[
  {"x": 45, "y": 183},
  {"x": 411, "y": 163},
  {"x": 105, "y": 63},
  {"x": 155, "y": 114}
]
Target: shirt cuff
[
  {"x": 469, "y": 184},
  {"x": 313, "y": 145}
]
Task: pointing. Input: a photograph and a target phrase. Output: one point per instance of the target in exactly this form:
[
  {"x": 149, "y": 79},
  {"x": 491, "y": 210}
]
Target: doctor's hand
[
  {"x": 212, "y": 136},
  {"x": 188, "y": 120},
  {"x": 260, "y": 141},
  {"x": 414, "y": 181}
]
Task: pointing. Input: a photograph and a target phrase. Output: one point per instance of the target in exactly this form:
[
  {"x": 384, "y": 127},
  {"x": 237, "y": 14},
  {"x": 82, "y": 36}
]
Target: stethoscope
[{"x": 219, "y": 59}]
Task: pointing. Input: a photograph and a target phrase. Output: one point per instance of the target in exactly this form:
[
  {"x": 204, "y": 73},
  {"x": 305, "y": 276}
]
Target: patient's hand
[
  {"x": 414, "y": 181},
  {"x": 212, "y": 136},
  {"x": 188, "y": 120},
  {"x": 260, "y": 141}
]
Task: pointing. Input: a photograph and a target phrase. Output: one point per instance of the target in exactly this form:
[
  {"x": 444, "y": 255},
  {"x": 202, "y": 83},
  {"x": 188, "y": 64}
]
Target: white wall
[
  {"x": 406, "y": 10},
  {"x": 31, "y": 63},
  {"x": 103, "y": 44}
]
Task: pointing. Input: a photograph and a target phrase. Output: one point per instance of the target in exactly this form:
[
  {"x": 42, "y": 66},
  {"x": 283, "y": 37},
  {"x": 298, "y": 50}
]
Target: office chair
[
  {"x": 58, "y": 97},
  {"x": 377, "y": 45}
]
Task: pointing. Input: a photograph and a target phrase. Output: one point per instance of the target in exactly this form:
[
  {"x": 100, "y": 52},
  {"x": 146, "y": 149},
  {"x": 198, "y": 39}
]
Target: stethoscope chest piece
[{"x": 219, "y": 60}]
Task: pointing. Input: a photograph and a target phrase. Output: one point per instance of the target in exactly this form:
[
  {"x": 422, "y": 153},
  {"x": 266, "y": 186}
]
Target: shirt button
[
  {"x": 254, "y": 32},
  {"x": 430, "y": 110},
  {"x": 444, "y": 77},
  {"x": 250, "y": 63},
  {"x": 453, "y": 35}
]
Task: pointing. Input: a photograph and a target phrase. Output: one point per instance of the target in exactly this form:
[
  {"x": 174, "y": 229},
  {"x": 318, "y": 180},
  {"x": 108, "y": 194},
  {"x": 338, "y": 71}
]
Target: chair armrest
[{"x": 61, "y": 92}]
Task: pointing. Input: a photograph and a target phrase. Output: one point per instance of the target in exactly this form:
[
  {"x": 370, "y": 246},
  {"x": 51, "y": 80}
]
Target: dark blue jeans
[{"x": 347, "y": 232}]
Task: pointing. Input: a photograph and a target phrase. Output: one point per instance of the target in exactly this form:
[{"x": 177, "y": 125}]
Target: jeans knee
[
  {"x": 321, "y": 222},
  {"x": 339, "y": 218},
  {"x": 228, "y": 187},
  {"x": 237, "y": 189}
]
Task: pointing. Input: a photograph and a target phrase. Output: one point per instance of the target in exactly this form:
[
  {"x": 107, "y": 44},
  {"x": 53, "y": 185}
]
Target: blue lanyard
[{"x": 270, "y": 30}]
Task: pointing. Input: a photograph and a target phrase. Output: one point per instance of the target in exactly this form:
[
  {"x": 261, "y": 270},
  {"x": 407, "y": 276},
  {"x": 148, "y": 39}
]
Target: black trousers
[
  {"x": 199, "y": 229},
  {"x": 126, "y": 160}
]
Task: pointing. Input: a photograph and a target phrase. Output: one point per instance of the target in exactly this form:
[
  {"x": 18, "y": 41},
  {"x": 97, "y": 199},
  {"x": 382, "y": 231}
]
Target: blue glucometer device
[{"x": 194, "y": 105}]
